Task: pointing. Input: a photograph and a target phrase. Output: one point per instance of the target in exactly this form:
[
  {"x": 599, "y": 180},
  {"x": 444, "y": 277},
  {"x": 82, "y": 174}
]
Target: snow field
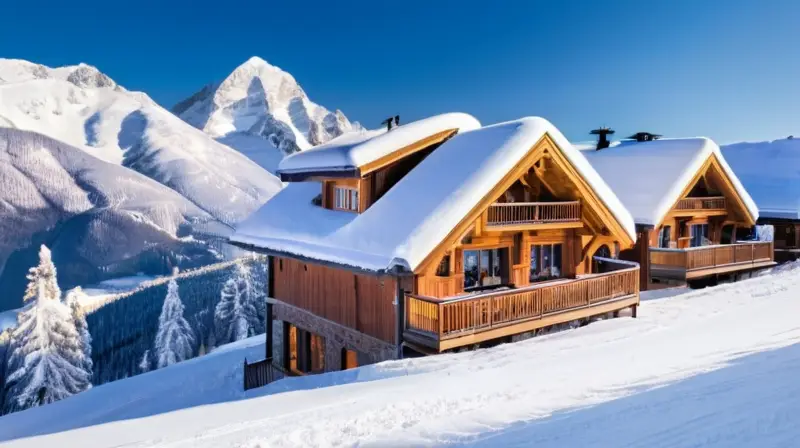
[{"x": 487, "y": 397}]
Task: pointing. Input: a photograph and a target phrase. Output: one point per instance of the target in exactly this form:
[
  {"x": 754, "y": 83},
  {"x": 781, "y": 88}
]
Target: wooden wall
[
  {"x": 362, "y": 302},
  {"x": 518, "y": 243}
]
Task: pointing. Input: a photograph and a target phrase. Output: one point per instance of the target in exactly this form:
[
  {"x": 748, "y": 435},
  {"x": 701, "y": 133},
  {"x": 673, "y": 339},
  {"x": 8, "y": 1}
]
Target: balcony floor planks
[
  {"x": 519, "y": 227},
  {"x": 522, "y": 326}
]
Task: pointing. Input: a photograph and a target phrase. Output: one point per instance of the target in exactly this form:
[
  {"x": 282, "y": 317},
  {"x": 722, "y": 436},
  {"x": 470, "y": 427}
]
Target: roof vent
[
  {"x": 602, "y": 133},
  {"x": 644, "y": 137},
  {"x": 391, "y": 122}
]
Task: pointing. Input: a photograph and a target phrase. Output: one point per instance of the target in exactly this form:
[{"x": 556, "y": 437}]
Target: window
[
  {"x": 444, "y": 267},
  {"x": 306, "y": 350},
  {"x": 545, "y": 262},
  {"x": 699, "y": 235},
  {"x": 485, "y": 268},
  {"x": 663, "y": 236},
  {"x": 345, "y": 198}
]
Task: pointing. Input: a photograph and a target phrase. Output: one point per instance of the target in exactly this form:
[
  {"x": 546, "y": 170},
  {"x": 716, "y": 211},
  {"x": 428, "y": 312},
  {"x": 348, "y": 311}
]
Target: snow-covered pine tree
[
  {"x": 175, "y": 339},
  {"x": 236, "y": 316},
  {"x": 73, "y": 300},
  {"x": 47, "y": 360},
  {"x": 144, "y": 364}
]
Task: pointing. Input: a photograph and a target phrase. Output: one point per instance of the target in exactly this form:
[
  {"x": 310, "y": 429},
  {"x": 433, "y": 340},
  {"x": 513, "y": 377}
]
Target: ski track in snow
[{"x": 690, "y": 371}]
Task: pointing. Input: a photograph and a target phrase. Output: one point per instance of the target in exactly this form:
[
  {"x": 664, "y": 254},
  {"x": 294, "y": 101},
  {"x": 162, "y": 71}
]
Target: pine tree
[
  {"x": 144, "y": 364},
  {"x": 47, "y": 358},
  {"x": 236, "y": 316},
  {"x": 175, "y": 339},
  {"x": 73, "y": 299}
]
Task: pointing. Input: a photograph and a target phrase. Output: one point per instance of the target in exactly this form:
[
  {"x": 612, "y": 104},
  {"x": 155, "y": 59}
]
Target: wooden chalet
[
  {"x": 694, "y": 218},
  {"x": 458, "y": 236},
  {"x": 771, "y": 173}
]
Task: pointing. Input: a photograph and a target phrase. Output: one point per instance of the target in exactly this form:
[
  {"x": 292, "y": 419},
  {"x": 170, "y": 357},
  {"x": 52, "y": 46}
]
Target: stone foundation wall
[
  {"x": 277, "y": 342},
  {"x": 336, "y": 337}
]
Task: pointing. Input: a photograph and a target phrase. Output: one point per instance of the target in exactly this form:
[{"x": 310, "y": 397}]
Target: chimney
[
  {"x": 644, "y": 137},
  {"x": 602, "y": 133}
]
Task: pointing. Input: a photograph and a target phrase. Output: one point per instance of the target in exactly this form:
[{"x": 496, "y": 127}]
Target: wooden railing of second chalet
[
  {"x": 704, "y": 257},
  {"x": 453, "y": 317},
  {"x": 707, "y": 203},
  {"x": 514, "y": 213}
]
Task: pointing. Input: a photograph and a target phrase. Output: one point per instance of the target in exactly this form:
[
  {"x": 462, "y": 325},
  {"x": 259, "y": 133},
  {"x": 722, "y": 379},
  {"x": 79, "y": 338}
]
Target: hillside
[
  {"x": 714, "y": 367},
  {"x": 100, "y": 219},
  {"x": 84, "y": 108},
  {"x": 263, "y": 112}
]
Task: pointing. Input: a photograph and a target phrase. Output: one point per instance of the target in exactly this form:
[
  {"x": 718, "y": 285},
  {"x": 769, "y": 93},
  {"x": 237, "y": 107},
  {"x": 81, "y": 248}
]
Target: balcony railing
[
  {"x": 518, "y": 213},
  {"x": 698, "y": 261},
  {"x": 442, "y": 319},
  {"x": 261, "y": 373},
  {"x": 707, "y": 203}
]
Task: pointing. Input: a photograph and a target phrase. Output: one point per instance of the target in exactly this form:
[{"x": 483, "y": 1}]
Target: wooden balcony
[
  {"x": 525, "y": 215},
  {"x": 442, "y": 324},
  {"x": 706, "y": 206},
  {"x": 698, "y": 262}
]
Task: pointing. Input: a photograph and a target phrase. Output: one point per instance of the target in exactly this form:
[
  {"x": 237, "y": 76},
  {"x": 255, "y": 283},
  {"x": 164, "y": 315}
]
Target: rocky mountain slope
[
  {"x": 84, "y": 108},
  {"x": 101, "y": 220},
  {"x": 263, "y": 112}
]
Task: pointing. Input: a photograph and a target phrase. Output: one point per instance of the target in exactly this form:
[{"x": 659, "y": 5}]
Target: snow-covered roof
[
  {"x": 649, "y": 177},
  {"x": 352, "y": 150},
  {"x": 771, "y": 173},
  {"x": 417, "y": 214}
]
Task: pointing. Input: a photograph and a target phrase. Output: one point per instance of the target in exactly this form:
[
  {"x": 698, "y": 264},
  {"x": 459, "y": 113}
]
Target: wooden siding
[
  {"x": 519, "y": 245},
  {"x": 359, "y": 301}
]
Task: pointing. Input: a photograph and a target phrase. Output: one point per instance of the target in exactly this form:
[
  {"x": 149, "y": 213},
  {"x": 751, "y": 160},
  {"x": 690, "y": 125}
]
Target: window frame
[
  {"x": 539, "y": 248},
  {"x": 345, "y": 198}
]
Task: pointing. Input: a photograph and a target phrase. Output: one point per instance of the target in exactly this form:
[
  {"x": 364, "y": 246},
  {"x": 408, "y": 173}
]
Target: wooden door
[{"x": 349, "y": 359}]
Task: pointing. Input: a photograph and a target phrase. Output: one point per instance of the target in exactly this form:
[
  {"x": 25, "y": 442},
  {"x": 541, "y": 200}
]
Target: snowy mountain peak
[
  {"x": 88, "y": 76},
  {"x": 261, "y": 100},
  {"x": 81, "y": 75}
]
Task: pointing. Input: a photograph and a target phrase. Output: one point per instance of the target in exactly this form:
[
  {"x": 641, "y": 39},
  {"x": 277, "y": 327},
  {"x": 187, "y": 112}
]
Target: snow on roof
[
  {"x": 771, "y": 173},
  {"x": 649, "y": 177},
  {"x": 354, "y": 149},
  {"x": 417, "y": 214}
]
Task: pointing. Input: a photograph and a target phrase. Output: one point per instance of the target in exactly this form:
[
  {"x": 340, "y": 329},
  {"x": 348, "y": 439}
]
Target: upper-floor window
[
  {"x": 664, "y": 236},
  {"x": 345, "y": 198}
]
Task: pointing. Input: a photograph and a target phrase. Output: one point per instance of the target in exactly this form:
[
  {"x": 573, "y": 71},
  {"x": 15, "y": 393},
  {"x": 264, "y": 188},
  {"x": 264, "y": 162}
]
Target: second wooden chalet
[
  {"x": 771, "y": 173},
  {"x": 692, "y": 212},
  {"x": 478, "y": 235}
]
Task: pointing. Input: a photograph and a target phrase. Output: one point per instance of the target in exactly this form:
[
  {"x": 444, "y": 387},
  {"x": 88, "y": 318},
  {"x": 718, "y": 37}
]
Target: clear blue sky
[{"x": 728, "y": 69}]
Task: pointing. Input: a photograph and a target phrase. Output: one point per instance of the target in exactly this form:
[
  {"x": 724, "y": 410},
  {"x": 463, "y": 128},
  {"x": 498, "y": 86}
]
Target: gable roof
[
  {"x": 350, "y": 151},
  {"x": 650, "y": 177},
  {"x": 413, "y": 218},
  {"x": 771, "y": 173}
]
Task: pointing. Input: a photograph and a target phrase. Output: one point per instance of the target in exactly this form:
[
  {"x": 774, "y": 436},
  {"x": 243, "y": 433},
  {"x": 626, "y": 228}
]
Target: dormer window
[{"x": 345, "y": 198}]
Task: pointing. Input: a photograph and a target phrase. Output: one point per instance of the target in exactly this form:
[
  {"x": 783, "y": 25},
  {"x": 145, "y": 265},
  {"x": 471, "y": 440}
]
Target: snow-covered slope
[
  {"x": 99, "y": 218},
  {"x": 261, "y": 100},
  {"x": 86, "y": 109},
  {"x": 771, "y": 173},
  {"x": 716, "y": 367}
]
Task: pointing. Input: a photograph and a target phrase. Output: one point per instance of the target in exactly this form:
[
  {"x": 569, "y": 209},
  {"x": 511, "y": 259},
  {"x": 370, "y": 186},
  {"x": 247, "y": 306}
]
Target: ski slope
[{"x": 715, "y": 367}]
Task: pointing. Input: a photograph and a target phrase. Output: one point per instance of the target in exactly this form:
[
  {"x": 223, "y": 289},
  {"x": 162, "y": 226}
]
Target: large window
[
  {"x": 306, "y": 350},
  {"x": 485, "y": 268},
  {"x": 545, "y": 262},
  {"x": 664, "y": 236},
  {"x": 345, "y": 198},
  {"x": 699, "y": 235}
]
